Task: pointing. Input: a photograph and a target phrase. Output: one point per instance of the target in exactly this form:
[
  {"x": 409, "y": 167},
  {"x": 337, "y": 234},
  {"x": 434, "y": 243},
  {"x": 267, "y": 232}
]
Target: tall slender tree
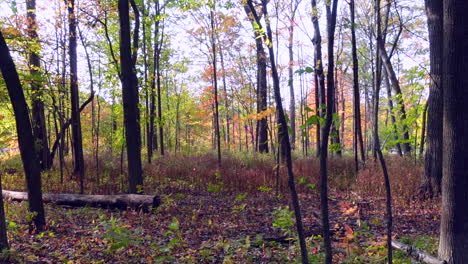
[
  {"x": 293, "y": 6},
  {"x": 130, "y": 100},
  {"x": 262, "y": 124},
  {"x": 282, "y": 124},
  {"x": 215, "y": 83},
  {"x": 319, "y": 75},
  {"x": 358, "y": 140},
  {"x": 38, "y": 114},
  {"x": 331, "y": 8},
  {"x": 378, "y": 151},
  {"x": 24, "y": 131},
  {"x": 79, "y": 166}
]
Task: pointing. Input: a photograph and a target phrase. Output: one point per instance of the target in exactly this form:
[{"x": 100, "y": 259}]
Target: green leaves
[
  {"x": 283, "y": 219},
  {"x": 305, "y": 70}
]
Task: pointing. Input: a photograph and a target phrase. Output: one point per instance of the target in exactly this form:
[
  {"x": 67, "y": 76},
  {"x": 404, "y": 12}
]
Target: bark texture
[
  {"x": 31, "y": 166},
  {"x": 453, "y": 245},
  {"x": 38, "y": 115},
  {"x": 79, "y": 166},
  {"x": 130, "y": 102},
  {"x": 433, "y": 157},
  {"x": 119, "y": 201}
]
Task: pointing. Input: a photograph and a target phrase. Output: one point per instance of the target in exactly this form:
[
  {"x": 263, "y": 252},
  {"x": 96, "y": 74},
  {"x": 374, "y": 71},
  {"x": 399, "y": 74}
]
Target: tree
[
  {"x": 358, "y": 141},
  {"x": 454, "y": 216},
  {"x": 158, "y": 45},
  {"x": 293, "y": 6},
  {"x": 215, "y": 83},
  {"x": 319, "y": 75},
  {"x": 378, "y": 151},
  {"x": 38, "y": 116},
  {"x": 262, "y": 124},
  {"x": 325, "y": 133},
  {"x": 282, "y": 124},
  {"x": 79, "y": 168},
  {"x": 24, "y": 131},
  {"x": 390, "y": 72},
  {"x": 130, "y": 100},
  {"x": 433, "y": 157}
]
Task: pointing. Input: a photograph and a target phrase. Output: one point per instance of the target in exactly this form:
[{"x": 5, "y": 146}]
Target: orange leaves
[
  {"x": 11, "y": 32},
  {"x": 349, "y": 232},
  {"x": 261, "y": 115},
  {"x": 348, "y": 209}
]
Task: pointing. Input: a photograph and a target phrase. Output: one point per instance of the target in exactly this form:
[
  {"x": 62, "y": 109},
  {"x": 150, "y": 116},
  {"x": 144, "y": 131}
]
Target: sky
[{"x": 184, "y": 44}]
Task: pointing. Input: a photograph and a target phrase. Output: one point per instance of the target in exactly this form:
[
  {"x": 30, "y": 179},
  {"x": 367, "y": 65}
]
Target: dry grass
[
  {"x": 240, "y": 172},
  {"x": 405, "y": 178}
]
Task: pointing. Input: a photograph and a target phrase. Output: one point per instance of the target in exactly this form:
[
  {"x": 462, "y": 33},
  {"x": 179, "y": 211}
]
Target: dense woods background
[{"x": 261, "y": 131}]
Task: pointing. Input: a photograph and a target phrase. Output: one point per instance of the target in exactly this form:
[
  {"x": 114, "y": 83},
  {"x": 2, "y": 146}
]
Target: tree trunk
[
  {"x": 359, "y": 143},
  {"x": 120, "y": 201},
  {"x": 215, "y": 83},
  {"x": 378, "y": 82},
  {"x": 432, "y": 177},
  {"x": 423, "y": 131},
  {"x": 416, "y": 254},
  {"x": 226, "y": 101},
  {"x": 38, "y": 115},
  {"x": 317, "y": 41},
  {"x": 79, "y": 168},
  {"x": 453, "y": 243},
  {"x": 262, "y": 124},
  {"x": 158, "y": 42},
  {"x": 392, "y": 115},
  {"x": 130, "y": 102},
  {"x": 24, "y": 131},
  {"x": 396, "y": 86},
  {"x": 325, "y": 133},
  {"x": 283, "y": 127},
  {"x": 292, "y": 101}
]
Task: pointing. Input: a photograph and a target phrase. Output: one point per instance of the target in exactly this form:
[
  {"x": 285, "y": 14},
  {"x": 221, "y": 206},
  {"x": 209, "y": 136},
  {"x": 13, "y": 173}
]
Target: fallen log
[
  {"x": 417, "y": 254},
  {"x": 119, "y": 201}
]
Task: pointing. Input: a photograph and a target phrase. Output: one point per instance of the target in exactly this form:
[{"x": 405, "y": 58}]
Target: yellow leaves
[{"x": 259, "y": 116}]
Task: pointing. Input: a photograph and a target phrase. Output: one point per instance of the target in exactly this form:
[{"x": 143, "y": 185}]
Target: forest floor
[{"x": 217, "y": 225}]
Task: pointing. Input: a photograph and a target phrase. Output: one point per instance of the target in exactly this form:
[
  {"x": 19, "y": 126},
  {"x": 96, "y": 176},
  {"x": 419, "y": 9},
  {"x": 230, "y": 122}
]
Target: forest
[{"x": 234, "y": 131}]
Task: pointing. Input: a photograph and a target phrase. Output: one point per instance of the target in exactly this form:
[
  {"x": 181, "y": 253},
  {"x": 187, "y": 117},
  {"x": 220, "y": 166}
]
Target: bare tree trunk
[
  {"x": 292, "y": 101},
  {"x": 262, "y": 124},
  {"x": 317, "y": 41},
  {"x": 325, "y": 133},
  {"x": 215, "y": 81},
  {"x": 38, "y": 115},
  {"x": 432, "y": 178},
  {"x": 423, "y": 131},
  {"x": 130, "y": 101},
  {"x": 454, "y": 216},
  {"x": 79, "y": 168},
  {"x": 283, "y": 128},
  {"x": 359, "y": 145},
  {"x": 378, "y": 78},
  {"x": 226, "y": 101},
  {"x": 24, "y": 131}
]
